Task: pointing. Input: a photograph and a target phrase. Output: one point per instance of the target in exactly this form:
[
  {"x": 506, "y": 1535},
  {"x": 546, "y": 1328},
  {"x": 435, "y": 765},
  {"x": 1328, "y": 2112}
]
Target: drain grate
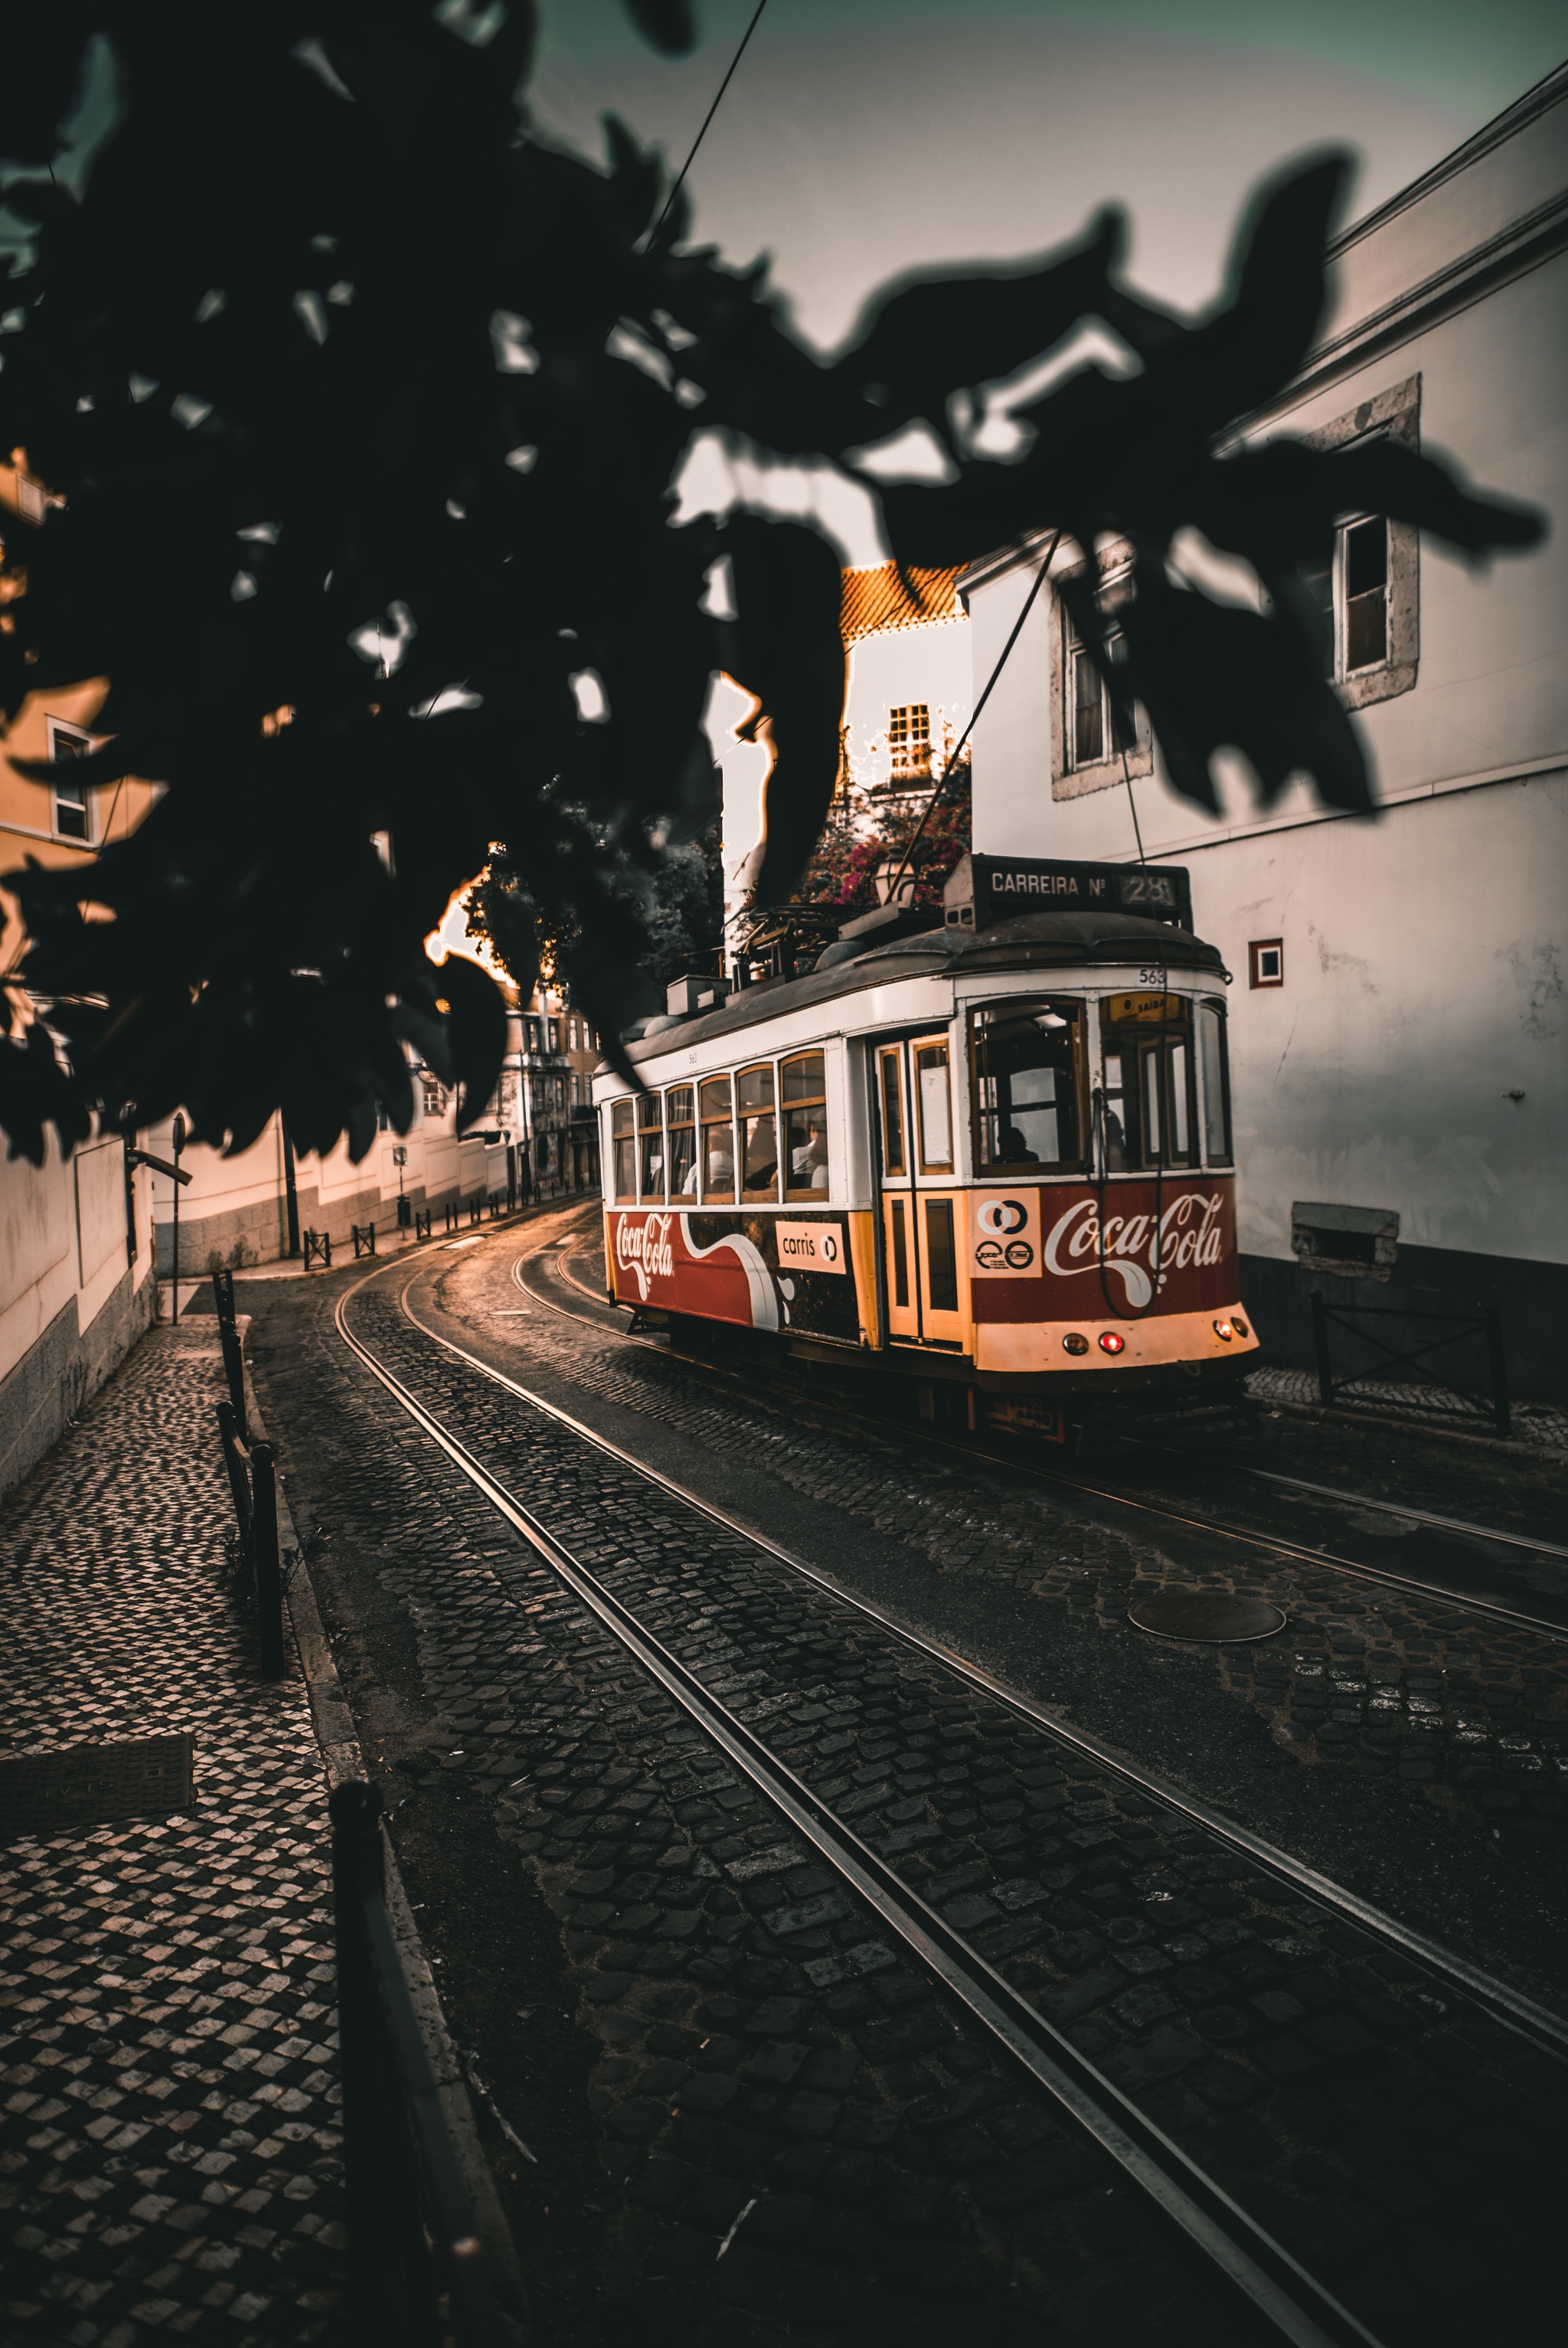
[
  {"x": 93, "y": 1785},
  {"x": 1211, "y": 1617}
]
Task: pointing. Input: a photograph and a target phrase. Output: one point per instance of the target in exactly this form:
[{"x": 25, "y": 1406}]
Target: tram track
[
  {"x": 1280, "y": 2284},
  {"x": 1012, "y": 1463}
]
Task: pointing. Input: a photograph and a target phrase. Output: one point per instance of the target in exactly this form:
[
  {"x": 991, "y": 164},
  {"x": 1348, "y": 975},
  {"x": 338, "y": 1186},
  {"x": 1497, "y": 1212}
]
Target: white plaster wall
[
  {"x": 63, "y": 1237},
  {"x": 1426, "y": 980}
]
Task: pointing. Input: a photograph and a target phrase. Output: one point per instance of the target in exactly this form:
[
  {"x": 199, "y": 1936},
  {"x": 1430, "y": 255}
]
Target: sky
[{"x": 863, "y": 138}]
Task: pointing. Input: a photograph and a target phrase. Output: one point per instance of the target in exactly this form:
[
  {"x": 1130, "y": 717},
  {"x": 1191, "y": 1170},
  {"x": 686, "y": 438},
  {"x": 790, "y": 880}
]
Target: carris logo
[
  {"x": 643, "y": 1250},
  {"x": 1188, "y": 1232}
]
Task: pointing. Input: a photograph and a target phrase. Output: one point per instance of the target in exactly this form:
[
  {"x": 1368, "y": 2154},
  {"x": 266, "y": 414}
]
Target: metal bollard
[
  {"x": 265, "y": 1557},
  {"x": 229, "y": 1341},
  {"x": 1320, "y": 1343},
  {"x": 236, "y": 1459}
]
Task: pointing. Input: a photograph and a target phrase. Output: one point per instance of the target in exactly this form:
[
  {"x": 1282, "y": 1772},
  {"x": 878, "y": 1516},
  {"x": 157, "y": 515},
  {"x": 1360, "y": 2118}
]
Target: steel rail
[
  {"x": 1243, "y": 1467},
  {"x": 1301, "y": 2309},
  {"x": 1464, "y": 1601},
  {"x": 1504, "y": 2004}
]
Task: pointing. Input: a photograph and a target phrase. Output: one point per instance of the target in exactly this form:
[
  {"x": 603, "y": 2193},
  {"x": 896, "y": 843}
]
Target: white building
[{"x": 1397, "y": 1011}]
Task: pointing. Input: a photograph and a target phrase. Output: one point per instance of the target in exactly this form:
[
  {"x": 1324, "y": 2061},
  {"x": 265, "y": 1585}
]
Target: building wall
[
  {"x": 1426, "y": 949},
  {"x": 71, "y": 1305}
]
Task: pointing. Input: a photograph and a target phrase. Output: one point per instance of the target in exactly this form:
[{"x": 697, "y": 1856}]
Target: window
[
  {"x": 936, "y": 1110},
  {"x": 1265, "y": 962},
  {"x": 759, "y": 1133},
  {"x": 1369, "y": 590},
  {"x": 1149, "y": 1094},
  {"x": 1216, "y": 1083},
  {"x": 651, "y": 1139},
  {"x": 679, "y": 1115},
  {"x": 530, "y": 1035},
  {"x": 625, "y": 1149},
  {"x": 1093, "y": 733},
  {"x": 940, "y": 1255},
  {"x": 717, "y": 1139},
  {"x": 1091, "y": 750},
  {"x": 556, "y": 1034},
  {"x": 909, "y": 738},
  {"x": 806, "y": 1126},
  {"x": 72, "y": 811},
  {"x": 893, "y": 1112},
  {"x": 900, "y": 1255},
  {"x": 1028, "y": 1085}
]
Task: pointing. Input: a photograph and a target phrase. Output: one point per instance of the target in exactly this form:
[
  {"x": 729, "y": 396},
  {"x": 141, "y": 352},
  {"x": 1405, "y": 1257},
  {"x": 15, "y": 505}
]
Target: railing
[
  {"x": 229, "y": 1340},
  {"x": 418, "y": 2271},
  {"x": 1459, "y": 1326},
  {"x": 364, "y": 1236},
  {"x": 422, "y": 1224},
  {"x": 318, "y": 1248},
  {"x": 252, "y": 1483}
]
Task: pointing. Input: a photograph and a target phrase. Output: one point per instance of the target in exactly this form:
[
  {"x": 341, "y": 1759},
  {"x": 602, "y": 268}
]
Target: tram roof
[{"x": 1043, "y": 941}]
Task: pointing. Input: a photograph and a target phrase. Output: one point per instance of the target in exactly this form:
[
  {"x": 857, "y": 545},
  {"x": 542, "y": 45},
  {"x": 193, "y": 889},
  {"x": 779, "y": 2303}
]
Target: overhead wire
[{"x": 708, "y": 118}]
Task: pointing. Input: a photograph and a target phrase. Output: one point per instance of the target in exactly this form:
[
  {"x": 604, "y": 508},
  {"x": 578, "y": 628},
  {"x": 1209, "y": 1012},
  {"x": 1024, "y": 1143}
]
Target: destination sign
[{"x": 987, "y": 888}]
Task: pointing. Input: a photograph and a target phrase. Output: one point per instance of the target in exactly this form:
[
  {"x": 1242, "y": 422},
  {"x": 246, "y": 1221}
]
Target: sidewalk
[{"x": 169, "y": 2139}]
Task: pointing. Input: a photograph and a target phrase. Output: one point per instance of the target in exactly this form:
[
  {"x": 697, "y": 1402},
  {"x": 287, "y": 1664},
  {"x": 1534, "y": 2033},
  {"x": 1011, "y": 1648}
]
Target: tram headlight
[
  {"x": 1073, "y": 1343},
  {"x": 1225, "y": 1329},
  {"x": 1238, "y": 1324},
  {"x": 1112, "y": 1340}
]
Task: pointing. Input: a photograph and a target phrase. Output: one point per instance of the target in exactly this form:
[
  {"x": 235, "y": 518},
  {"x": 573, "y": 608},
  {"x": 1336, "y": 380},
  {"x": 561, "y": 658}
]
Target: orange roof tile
[{"x": 876, "y": 601}]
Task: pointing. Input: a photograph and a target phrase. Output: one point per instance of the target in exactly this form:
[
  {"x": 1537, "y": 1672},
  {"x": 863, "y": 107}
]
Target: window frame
[
  {"x": 59, "y": 730},
  {"x": 1257, "y": 949},
  {"x": 749, "y": 1196},
  {"x": 1070, "y": 778},
  {"x": 704, "y": 1123},
  {"x": 948, "y": 1169},
  {"x": 914, "y": 763},
  {"x": 1394, "y": 414},
  {"x": 623, "y": 1136},
  {"x": 1007, "y": 1170},
  {"x": 649, "y": 1127},
  {"x": 787, "y": 1109},
  {"x": 1137, "y": 1042},
  {"x": 673, "y": 1124}
]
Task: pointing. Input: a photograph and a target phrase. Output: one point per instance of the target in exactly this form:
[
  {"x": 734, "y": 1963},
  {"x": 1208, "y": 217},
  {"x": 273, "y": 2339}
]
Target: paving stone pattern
[
  {"x": 168, "y": 2137},
  {"x": 1403, "y": 2145},
  {"x": 1477, "y": 1714}
]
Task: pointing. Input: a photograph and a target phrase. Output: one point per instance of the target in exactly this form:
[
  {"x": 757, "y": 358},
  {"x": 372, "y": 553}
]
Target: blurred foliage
[
  {"x": 364, "y": 403},
  {"x": 844, "y": 866},
  {"x": 679, "y": 906}
]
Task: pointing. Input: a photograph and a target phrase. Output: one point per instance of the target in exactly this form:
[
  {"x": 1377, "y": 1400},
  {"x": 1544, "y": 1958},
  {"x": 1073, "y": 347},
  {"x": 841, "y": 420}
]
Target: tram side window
[
  {"x": 717, "y": 1139},
  {"x": 1216, "y": 1083},
  {"x": 759, "y": 1133},
  {"x": 651, "y": 1134},
  {"x": 935, "y": 1108},
  {"x": 1028, "y": 1085},
  {"x": 625, "y": 1149},
  {"x": 1150, "y": 1096},
  {"x": 679, "y": 1103},
  {"x": 893, "y": 1113},
  {"x": 804, "y": 1085}
]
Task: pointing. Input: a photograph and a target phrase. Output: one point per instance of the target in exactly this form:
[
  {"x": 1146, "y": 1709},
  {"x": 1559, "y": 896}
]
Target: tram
[{"x": 987, "y": 1147}]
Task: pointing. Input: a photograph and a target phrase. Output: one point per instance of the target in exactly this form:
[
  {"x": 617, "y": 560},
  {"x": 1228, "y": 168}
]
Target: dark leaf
[{"x": 787, "y": 649}]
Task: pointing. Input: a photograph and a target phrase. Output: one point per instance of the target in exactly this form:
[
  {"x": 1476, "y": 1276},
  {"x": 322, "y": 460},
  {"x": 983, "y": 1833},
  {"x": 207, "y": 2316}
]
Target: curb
[
  {"x": 340, "y": 1749},
  {"x": 1391, "y": 1425}
]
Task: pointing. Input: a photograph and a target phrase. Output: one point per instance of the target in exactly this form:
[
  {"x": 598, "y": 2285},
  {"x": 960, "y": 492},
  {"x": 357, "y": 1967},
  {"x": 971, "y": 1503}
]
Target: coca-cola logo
[
  {"x": 1140, "y": 1249},
  {"x": 643, "y": 1250}
]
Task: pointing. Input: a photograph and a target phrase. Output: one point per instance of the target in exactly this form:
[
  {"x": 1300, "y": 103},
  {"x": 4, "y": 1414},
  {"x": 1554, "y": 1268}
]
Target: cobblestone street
[
  {"x": 169, "y": 2139},
  {"x": 751, "y": 2116}
]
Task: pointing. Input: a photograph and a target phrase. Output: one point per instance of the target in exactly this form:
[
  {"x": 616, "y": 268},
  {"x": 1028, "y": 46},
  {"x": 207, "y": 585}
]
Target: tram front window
[
  {"x": 1028, "y": 1059},
  {"x": 651, "y": 1134},
  {"x": 625, "y": 1149},
  {"x": 893, "y": 1112},
  {"x": 1148, "y": 1097},
  {"x": 759, "y": 1133},
  {"x": 806, "y": 1126},
  {"x": 678, "y": 1104},
  {"x": 717, "y": 1139}
]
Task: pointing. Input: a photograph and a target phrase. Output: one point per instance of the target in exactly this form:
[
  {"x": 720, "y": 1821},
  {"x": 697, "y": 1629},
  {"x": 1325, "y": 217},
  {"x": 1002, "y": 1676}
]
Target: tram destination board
[{"x": 987, "y": 888}]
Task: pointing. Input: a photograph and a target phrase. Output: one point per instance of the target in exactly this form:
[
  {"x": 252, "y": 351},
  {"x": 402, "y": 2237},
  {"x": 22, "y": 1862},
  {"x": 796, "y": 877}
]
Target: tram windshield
[{"x": 1029, "y": 1084}]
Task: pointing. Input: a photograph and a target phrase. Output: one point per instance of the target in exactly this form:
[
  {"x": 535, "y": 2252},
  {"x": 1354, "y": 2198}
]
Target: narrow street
[{"x": 749, "y": 2110}]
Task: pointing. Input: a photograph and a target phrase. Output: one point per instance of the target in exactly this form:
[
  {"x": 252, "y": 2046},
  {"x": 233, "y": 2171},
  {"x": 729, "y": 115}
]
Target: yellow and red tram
[{"x": 991, "y": 1149}]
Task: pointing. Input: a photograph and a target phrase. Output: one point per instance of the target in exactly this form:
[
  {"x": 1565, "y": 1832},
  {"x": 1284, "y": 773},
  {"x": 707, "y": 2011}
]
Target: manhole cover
[
  {"x": 92, "y": 1785},
  {"x": 1206, "y": 1614}
]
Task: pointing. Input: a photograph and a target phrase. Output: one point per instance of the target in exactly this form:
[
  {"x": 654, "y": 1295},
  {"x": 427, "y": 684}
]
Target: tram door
[{"x": 921, "y": 1204}]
